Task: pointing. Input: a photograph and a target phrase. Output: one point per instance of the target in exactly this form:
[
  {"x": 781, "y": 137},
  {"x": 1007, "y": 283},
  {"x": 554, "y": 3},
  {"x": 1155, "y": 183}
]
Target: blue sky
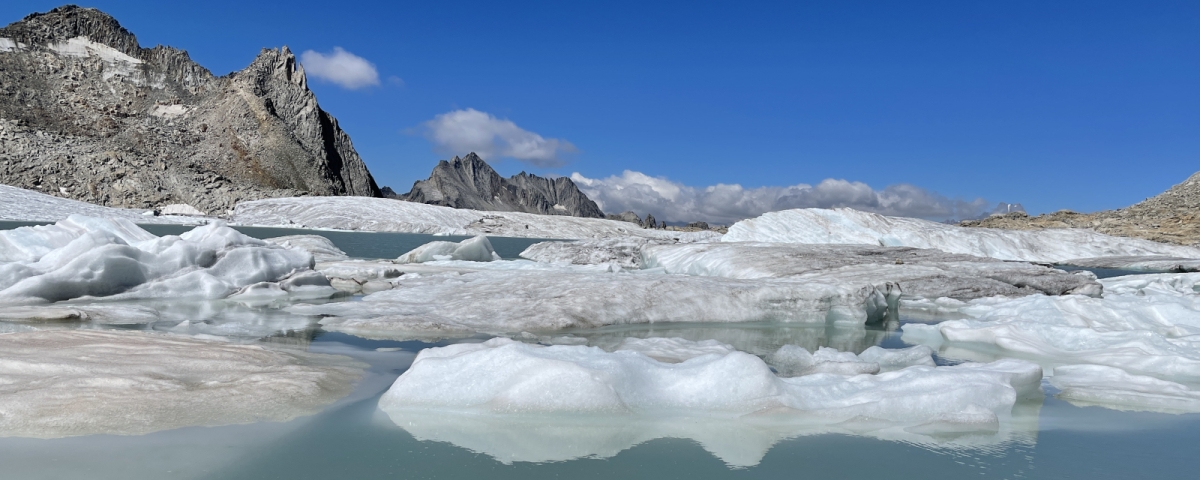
[{"x": 1080, "y": 105}]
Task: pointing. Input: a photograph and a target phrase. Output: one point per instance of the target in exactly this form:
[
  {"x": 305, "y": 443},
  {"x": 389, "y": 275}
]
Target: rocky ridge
[
  {"x": 1171, "y": 217},
  {"x": 88, "y": 114},
  {"x": 471, "y": 183}
]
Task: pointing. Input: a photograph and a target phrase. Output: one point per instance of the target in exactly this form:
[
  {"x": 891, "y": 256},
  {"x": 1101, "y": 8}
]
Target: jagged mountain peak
[
  {"x": 470, "y": 182},
  {"x": 72, "y": 21}
]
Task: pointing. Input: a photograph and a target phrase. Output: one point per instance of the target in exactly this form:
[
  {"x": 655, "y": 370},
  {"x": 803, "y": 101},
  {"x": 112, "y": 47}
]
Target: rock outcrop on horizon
[
  {"x": 88, "y": 114},
  {"x": 1172, "y": 217},
  {"x": 470, "y": 182}
]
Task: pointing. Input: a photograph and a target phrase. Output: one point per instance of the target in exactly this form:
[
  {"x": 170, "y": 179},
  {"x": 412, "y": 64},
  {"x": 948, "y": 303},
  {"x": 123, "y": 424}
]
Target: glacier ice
[
  {"x": 321, "y": 248},
  {"x": 505, "y": 301},
  {"x": 623, "y": 251},
  {"x": 1115, "y": 388},
  {"x": 86, "y": 257},
  {"x": 919, "y": 272},
  {"x": 848, "y": 226},
  {"x": 794, "y": 361},
  {"x": 68, "y": 383},
  {"x": 475, "y": 249},
  {"x": 387, "y": 215},
  {"x": 673, "y": 349},
  {"x": 28, "y": 205},
  {"x": 1148, "y": 326},
  {"x": 530, "y": 395}
]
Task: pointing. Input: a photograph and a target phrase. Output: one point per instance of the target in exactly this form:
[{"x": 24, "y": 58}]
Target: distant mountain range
[
  {"x": 86, "y": 113},
  {"x": 469, "y": 182}
]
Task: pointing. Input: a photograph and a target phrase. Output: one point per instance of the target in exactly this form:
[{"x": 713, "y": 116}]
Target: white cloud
[
  {"x": 725, "y": 204},
  {"x": 464, "y": 131},
  {"x": 341, "y": 67}
]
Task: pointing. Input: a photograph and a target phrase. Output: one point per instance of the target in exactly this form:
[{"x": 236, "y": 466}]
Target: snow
[
  {"x": 27, "y": 205},
  {"x": 1145, "y": 325},
  {"x": 503, "y": 301},
  {"x": 501, "y": 380},
  {"x": 84, "y": 47},
  {"x": 68, "y": 383},
  {"x": 476, "y": 249},
  {"x": 8, "y": 45},
  {"x": 919, "y": 272},
  {"x": 848, "y": 226},
  {"x": 387, "y": 215},
  {"x": 181, "y": 209},
  {"x": 169, "y": 111},
  {"x": 85, "y": 257}
]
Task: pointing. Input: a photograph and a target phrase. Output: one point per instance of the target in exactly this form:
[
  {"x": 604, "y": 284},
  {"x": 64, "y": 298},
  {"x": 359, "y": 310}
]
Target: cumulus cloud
[
  {"x": 724, "y": 204},
  {"x": 463, "y": 131},
  {"x": 340, "y": 67}
]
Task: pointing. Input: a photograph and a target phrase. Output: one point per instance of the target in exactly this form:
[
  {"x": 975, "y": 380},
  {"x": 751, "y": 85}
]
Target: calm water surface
[{"x": 353, "y": 439}]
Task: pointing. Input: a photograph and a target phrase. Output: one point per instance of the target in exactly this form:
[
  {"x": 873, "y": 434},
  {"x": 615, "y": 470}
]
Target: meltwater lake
[{"x": 353, "y": 438}]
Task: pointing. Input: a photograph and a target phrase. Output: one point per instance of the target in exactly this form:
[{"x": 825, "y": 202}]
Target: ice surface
[
  {"x": 476, "y": 249},
  {"x": 502, "y": 380},
  {"x": 67, "y": 383},
  {"x": 1152, "y": 262},
  {"x": 794, "y": 361},
  {"x": 623, "y": 251},
  {"x": 1115, "y": 388},
  {"x": 28, "y": 205},
  {"x": 320, "y": 247},
  {"x": 1145, "y": 325},
  {"x": 387, "y": 215},
  {"x": 673, "y": 350},
  {"x": 848, "y": 226},
  {"x": 504, "y": 301},
  {"x": 919, "y": 272},
  {"x": 113, "y": 258},
  {"x": 181, "y": 209}
]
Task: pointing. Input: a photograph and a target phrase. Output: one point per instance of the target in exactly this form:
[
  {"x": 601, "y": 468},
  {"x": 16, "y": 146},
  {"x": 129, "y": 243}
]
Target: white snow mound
[{"x": 92, "y": 257}]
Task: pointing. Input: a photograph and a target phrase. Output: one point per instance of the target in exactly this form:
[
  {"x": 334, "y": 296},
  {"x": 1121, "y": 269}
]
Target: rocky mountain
[
  {"x": 471, "y": 183},
  {"x": 1172, "y": 216},
  {"x": 86, "y": 113}
]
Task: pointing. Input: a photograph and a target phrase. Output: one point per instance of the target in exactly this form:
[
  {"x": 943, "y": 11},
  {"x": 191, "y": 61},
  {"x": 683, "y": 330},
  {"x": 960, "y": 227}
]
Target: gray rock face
[
  {"x": 87, "y": 114},
  {"x": 471, "y": 183}
]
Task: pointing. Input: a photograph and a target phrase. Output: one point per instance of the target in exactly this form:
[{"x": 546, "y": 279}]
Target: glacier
[
  {"x": 68, "y": 383},
  {"x": 507, "y": 301},
  {"x": 86, "y": 258},
  {"x": 1147, "y": 326},
  {"x": 387, "y": 215},
  {"x": 848, "y": 226},
  {"x": 18, "y": 204}
]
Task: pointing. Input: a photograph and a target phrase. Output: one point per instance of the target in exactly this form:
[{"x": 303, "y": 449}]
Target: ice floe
[
  {"x": 673, "y": 349},
  {"x": 1145, "y": 325},
  {"x": 1115, "y": 388},
  {"x": 321, "y": 248},
  {"x": 732, "y": 403},
  {"x": 476, "y": 249},
  {"x": 27, "y": 205},
  {"x": 848, "y": 226},
  {"x": 505, "y": 301},
  {"x": 794, "y": 361},
  {"x": 68, "y": 383},
  {"x": 387, "y": 215},
  {"x": 85, "y": 257},
  {"x": 919, "y": 272}
]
